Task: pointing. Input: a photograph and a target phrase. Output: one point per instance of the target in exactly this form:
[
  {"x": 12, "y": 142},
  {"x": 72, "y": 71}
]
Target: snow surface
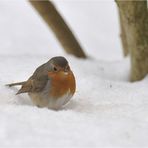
[{"x": 106, "y": 111}]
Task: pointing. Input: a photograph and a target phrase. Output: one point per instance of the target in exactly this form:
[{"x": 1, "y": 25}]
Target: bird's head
[{"x": 58, "y": 65}]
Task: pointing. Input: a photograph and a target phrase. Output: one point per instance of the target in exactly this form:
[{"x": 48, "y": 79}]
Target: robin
[{"x": 52, "y": 84}]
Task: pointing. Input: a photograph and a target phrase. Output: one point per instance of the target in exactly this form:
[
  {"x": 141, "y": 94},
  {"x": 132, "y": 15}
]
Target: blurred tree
[
  {"x": 134, "y": 21},
  {"x": 123, "y": 35},
  {"x": 61, "y": 30}
]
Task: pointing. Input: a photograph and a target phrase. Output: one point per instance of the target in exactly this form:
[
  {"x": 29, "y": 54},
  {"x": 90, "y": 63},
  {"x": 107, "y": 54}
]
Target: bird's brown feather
[{"x": 36, "y": 82}]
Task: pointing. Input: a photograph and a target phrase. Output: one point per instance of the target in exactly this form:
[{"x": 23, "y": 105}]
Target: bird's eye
[{"x": 55, "y": 69}]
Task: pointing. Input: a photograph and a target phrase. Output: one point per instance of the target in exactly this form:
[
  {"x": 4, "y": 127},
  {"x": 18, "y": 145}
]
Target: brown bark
[
  {"x": 135, "y": 21},
  {"x": 123, "y": 35},
  {"x": 61, "y": 30}
]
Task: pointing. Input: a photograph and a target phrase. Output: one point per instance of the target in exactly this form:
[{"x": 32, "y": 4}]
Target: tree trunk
[
  {"x": 135, "y": 22},
  {"x": 55, "y": 21},
  {"x": 123, "y": 35}
]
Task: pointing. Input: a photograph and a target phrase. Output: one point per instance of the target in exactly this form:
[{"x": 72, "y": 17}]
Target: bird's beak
[
  {"x": 61, "y": 72},
  {"x": 66, "y": 70}
]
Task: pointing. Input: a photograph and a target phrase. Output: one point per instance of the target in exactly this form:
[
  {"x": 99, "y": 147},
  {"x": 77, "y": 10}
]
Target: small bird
[{"x": 52, "y": 84}]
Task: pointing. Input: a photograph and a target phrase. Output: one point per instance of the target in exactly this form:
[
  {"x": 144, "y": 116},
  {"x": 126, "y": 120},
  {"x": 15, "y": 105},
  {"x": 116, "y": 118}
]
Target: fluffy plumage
[{"x": 51, "y": 85}]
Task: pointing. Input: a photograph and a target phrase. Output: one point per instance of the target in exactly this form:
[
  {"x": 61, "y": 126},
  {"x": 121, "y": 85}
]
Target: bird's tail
[{"x": 13, "y": 84}]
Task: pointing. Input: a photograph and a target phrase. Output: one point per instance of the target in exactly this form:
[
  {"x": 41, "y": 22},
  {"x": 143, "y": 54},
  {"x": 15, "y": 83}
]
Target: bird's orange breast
[{"x": 61, "y": 83}]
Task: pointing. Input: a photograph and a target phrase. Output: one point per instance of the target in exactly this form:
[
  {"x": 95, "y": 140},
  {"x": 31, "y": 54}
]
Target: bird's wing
[{"x": 36, "y": 82}]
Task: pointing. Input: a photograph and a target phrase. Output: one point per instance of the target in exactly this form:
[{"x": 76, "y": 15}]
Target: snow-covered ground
[{"x": 106, "y": 110}]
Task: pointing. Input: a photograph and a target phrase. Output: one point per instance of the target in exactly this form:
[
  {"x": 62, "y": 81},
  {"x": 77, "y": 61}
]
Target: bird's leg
[{"x": 13, "y": 84}]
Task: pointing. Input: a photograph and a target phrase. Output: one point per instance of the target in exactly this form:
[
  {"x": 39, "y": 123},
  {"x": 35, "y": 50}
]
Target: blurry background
[
  {"x": 95, "y": 24},
  {"x": 106, "y": 109}
]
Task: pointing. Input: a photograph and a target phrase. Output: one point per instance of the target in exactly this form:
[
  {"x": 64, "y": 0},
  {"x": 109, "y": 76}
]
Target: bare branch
[{"x": 61, "y": 30}]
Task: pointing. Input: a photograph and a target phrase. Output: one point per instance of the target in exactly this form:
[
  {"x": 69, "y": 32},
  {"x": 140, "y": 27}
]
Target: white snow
[{"x": 106, "y": 110}]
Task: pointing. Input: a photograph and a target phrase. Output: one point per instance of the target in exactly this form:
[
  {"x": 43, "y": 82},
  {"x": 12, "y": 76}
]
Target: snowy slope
[{"x": 106, "y": 110}]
